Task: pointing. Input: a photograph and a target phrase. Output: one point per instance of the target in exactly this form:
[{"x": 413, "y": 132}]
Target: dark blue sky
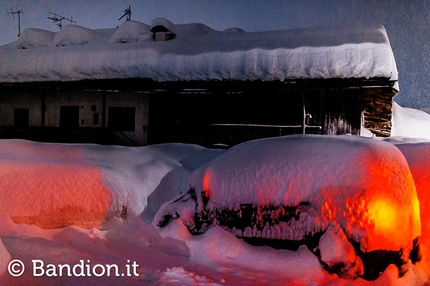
[{"x": 407, "y": 23}]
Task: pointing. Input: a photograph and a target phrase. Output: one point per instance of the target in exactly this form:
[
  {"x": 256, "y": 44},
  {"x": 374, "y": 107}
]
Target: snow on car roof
[
  {"x": 198, "y": 53},
  {"x": 293, "y": 169}
]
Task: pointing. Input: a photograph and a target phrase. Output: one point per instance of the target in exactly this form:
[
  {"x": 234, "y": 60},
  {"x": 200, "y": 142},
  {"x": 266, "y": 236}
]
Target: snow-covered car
[{"x": 351, "y": 200}]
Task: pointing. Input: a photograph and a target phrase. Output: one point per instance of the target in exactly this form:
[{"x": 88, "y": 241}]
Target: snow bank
[
  {"x": 409, "y": 122},
  {"x": 201, "y": 53},
  {"x": 54, "y": 185},
  {"x": 53, "y": 195},
  {"x": 363, "y": 185},
  {"x": 224, "y": 250}
]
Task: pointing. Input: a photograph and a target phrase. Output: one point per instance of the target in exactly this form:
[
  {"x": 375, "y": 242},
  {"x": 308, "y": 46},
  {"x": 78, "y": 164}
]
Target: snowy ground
[{"x": 88, "y": 207}]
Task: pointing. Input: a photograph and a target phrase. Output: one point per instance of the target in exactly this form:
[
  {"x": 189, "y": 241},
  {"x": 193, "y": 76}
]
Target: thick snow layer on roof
[
  {"x": 198, "y": 53},
  {"x": 131, "y": 31},
  {"x": 72, "y": 35},
  {"x": 34, "y": 38}
]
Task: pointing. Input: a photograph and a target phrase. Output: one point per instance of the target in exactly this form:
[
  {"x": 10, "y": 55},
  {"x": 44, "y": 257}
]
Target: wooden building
[{"x": 195, "y": 84}]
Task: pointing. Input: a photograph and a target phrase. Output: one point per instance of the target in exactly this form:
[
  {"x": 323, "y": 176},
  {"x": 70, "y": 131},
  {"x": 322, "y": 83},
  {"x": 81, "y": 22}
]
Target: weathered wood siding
[
  {"x": 337, "y": 111},
  {"x": 377, "y": 110}
]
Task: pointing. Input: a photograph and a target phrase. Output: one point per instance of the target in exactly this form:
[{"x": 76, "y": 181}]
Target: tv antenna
[
  {"x": 18, "y": 12},
  {"x": 127, "y": 12},
  {"x": 57, "y": 19}
]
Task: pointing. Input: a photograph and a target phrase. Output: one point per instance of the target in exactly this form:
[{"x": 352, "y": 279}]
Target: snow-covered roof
[{"x": 197, "y": 53}]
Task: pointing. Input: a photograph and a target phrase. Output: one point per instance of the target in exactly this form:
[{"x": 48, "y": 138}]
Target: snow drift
[
  {"x": 53, "y": 185},
  {"x": 409, "y": 122}
]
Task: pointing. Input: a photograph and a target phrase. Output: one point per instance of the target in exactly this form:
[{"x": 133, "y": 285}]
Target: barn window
[
  {"x": 121, "y": 118},
  {"x": 21, "y": 117}
]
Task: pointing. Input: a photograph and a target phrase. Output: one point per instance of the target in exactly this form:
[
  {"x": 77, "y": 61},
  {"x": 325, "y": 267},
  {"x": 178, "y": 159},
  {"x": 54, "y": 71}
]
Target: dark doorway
[
  {"x": 121, "y": 118},
  {"x": 69, "y": 117},
  {"x": 21, "y": 117}
]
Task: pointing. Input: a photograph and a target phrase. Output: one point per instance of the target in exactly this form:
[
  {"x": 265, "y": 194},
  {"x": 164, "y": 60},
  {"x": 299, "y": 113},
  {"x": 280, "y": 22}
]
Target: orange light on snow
[
  {"x": 381, "y": 203},
  {"x": 53, "y": 195},
  {"x": 383, "y": 215},
  {"x": 393, "y": 211},
  {"x": 392, "y": 223},
  {"x": 206, "y": 183},
  {"x": 422, "y": 183}
]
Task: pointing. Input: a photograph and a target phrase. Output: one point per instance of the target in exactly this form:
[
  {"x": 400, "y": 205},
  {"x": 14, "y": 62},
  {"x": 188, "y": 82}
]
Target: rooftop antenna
[
  {"x": 127, "y": 12},
  {"x": 57, "y": 19},
  {"x": 19, "y": 19}
]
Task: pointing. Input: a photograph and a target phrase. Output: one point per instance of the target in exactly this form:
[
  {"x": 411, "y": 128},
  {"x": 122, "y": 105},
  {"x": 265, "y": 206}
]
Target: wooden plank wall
[{"x": 377, "y": 110}]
